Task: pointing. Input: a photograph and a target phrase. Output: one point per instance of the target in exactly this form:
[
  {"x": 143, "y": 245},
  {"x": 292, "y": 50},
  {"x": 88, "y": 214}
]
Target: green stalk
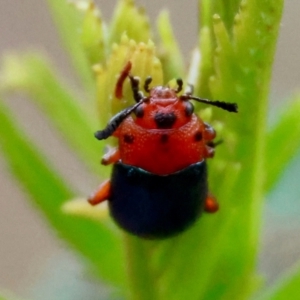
[
  {"x": 242, "y": 75},
  {"x": 141, "y": 281}
]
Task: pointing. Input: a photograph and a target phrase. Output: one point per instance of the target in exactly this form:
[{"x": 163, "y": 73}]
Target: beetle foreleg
[
  {"x": 209, "y": 133},
  {"x": 209, "y": 151},
  {"x": 111, "y": 156},
  {"x": 102, "y": 193}
]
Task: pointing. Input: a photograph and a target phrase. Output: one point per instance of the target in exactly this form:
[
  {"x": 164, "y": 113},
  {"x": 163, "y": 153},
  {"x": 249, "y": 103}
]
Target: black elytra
[{"x": 156, "y": 206}]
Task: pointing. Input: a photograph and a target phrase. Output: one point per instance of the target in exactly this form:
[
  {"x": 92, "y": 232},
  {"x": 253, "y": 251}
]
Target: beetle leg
[
  {"x": 209, "y": 133},
  {"x": 102, "y": 193},
  {"x": 211, "y": 204},
  {"x": 189, "y": 89},
  {"x": 111, "y": 156},
  {"x": 209, "y": 151}
]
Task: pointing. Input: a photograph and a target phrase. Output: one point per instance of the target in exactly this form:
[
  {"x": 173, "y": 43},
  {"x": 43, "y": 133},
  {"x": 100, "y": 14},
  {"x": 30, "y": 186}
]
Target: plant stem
[{"x": 140, "y": 281}]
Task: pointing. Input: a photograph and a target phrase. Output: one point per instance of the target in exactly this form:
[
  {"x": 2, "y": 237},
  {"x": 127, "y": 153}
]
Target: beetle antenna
[
  {"x": 116, "y": 120},
  {"x": 213, "y": 144},
  {"x": 189, "y": 89},
  {"x": 231, "y": 107},
  {"x": 179, "y": 85},
  {"x": 147, "y": 83},
  {"x": 119, "y": 85},
  {"x": 137, "y": 94}
]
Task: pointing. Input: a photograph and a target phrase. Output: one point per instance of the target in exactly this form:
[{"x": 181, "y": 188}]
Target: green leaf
[
  {"x": 200, "y": 268},
  {"x": 206, "y": 67},
  {"x": 283, "y": 142},
  {"x": 7, "y": 296},
  {"x": 48, "y": 192},
  {"x": 171, "y": 57},
  {"x": 75, "y": 119},
  {"x": 286, "y": 287},
  {"x": 129, "y": 19},
  {"x": 68, "y": 20},
  {"x": 226, "y": 9},
  {"x": 241, "y": 75},
  {"x": 92, "y": 32}
]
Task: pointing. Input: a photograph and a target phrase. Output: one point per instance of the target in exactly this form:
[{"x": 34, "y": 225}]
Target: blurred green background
[{"x": 33, "y": 263}]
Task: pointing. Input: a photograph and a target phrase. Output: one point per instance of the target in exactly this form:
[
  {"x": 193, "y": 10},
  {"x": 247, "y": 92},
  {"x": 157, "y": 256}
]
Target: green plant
[{"x": 216, "y": 258}]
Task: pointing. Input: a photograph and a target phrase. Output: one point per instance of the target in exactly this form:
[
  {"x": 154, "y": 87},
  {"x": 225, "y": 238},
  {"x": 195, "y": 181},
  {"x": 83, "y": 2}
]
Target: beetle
[{"x": 158, "y": 186}]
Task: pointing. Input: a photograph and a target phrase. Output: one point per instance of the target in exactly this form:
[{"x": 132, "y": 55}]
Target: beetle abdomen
[{"x": 154, "y": 206}]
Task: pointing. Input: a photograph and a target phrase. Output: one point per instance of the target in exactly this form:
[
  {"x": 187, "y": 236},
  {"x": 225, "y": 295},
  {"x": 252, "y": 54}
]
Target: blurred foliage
[{"x": 232, "y": 61}]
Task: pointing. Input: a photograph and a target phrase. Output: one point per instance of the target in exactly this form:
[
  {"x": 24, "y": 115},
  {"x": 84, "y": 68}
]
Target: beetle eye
[
  {"x": 189, "y": 109},
  {"x": 139, "y": 112}
]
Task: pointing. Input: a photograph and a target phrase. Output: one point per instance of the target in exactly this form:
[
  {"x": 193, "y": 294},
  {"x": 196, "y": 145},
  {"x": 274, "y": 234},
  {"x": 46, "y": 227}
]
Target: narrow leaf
[
  {"x": 68, "y": 22},
  {"x": 7, "y": 296},
  {"x": 48, "y": 192},
  {"x": 171, "y": 57},
  {"x": 283, "y": 142},
  {"x": 92, "y": 33},
  {"x": 242, "y": 75},
  {"x": 73, "y": 118},
  {"x": 286, "y": 287},
  {"x": 129, "y": 19},
  {"x": 206, "y": 63},
  {"x": 226, "y": 9}
]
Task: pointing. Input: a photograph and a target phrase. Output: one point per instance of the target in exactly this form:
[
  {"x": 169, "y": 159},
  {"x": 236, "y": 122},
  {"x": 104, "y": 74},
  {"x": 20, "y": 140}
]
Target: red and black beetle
[{"x": 158, "y": 186}]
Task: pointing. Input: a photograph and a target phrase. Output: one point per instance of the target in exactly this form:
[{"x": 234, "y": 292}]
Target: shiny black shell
[{"x": 154, "y": 206}]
